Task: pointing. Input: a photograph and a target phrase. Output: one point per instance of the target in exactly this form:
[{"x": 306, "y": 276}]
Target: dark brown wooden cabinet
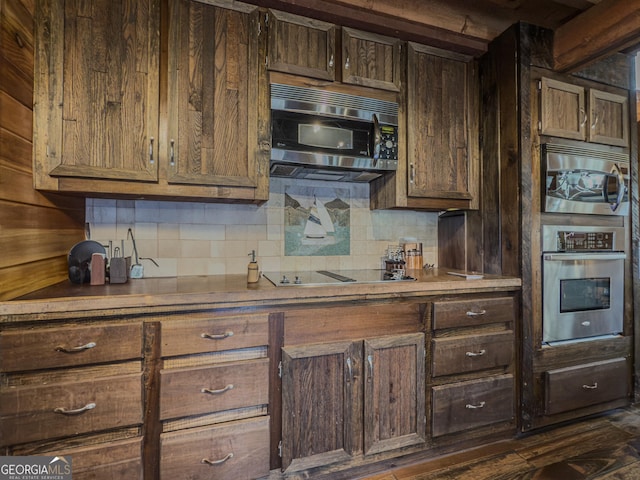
[
  {"x": 438, "y": 90},
  {"x": 330, "y": 389},
  {"x": 104, "y": 123},
  {"x": 212, "y": 96},
  {"x": 96, "y": 98},
  {"x": 440, "y": 168},
  {"x": 212, "y": 396},
  {"x": 579, "y": 386},
  {"x": 371, "y": 60},
  {"x": 473, "y": 366},
  {"x": 75, "y": 388},
  {"x": 573, "y": 111},
  {"x": 301, "y": 46}
]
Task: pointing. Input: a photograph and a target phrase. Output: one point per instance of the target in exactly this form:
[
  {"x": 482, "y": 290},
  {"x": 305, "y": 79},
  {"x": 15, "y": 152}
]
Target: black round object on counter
[{"x": 79, "y": 260}]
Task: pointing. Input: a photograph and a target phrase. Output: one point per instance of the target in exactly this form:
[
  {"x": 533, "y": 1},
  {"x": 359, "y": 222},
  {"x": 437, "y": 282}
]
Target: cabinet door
[
  {"x": 562, "y": 109},
  {"x": 608, "y": 118},
  {"x": 213, "y": 95},
  {"x": 370, "y": 60},
  {"x": 96, "y": 98},
  {"x": 394, "y": 392},
  {"x": 437, "y": 139},
  {"x": 301, "y": 46},
  {"x": 321, "y": 398}
]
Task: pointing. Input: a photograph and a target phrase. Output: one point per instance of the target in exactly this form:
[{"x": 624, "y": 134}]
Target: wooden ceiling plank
[{"x": 604, "y": 29}]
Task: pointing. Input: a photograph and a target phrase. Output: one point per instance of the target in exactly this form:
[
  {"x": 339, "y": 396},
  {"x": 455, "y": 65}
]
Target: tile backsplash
[{"x": 189, "y": 238}]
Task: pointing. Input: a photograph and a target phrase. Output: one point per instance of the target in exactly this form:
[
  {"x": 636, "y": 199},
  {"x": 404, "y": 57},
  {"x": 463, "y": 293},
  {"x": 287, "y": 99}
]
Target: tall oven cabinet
[{"x": 527, "y": 105}]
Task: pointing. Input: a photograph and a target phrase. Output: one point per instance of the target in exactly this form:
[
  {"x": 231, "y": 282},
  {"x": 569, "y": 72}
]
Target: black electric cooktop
[{"x": 334, "y": 277}]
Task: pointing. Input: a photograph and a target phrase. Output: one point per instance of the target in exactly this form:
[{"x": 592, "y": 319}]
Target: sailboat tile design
[{"x": 317, "y": 221}]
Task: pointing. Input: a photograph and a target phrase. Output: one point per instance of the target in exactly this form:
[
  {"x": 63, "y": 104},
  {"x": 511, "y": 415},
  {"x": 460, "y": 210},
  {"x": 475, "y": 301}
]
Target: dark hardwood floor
[{"x": 606, "y": 447}]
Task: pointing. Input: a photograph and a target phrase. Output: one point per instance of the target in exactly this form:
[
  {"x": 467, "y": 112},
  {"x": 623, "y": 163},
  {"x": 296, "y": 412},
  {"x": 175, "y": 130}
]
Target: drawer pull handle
[
  {"x": 476, "y": 314},
  {"x": 81, "y": 348},
  {"x": 218, "y": 336},
  {"x": 476, "y": 354},
  {"x": 590, "y": 387},
  {"x": 217, "y": 462},
  {"x": 216, "y": 392},
  {"x": 473, "y": 407},
  {"x": 75, "y": 411}
]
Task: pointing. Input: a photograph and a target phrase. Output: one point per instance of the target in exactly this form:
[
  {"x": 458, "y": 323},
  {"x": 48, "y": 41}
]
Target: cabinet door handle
[
  {"x": 595, "y": 121},
  {"x": 412, "y": 173},
  {"x": 331, "y": 61},
  {"x": 75, "y": 411},
  {"x": 219, "y": 336},
  {"x": 476, "y": 354},
  {"x": 347, "y": 62},
  {"x": 79, "y": 348},
  {"x": 217, "y": 462},
  {"x": 471, "y": 313},
  {"x": 216, "y": 392},
  {"x": 172, "y": 157},
  {"x": 349, "y": 369},
  {"x": 590, "y": 387},
  {"x": 151, "y": 160},
  {"x": 370, "y": 362},
  {"x": 473, "y": 407},
  {"x": 584, "y": 117}
]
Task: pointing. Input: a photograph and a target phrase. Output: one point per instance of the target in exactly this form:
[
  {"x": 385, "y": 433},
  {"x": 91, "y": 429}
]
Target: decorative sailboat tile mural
[{"x": 317, "y": 221}]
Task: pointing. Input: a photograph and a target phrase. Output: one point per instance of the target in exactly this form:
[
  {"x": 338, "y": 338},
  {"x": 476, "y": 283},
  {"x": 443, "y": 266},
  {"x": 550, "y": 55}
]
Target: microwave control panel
[
  {"x": 388, "y": 142},
  {"x": 571, "y": 241}
]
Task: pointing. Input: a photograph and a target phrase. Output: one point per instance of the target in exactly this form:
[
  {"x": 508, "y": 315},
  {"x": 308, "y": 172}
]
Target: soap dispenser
[{"x": 252, "y": 272}]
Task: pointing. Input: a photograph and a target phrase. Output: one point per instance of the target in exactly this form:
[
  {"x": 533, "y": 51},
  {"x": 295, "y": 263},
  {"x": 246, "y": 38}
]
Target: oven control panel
[{"x": 572, "y": 241}]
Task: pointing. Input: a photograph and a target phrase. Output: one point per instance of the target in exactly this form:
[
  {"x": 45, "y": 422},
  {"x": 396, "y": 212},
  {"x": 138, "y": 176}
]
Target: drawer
[
  {"x": 202, "y": 333},
  {"x": 208, "y": 389},
  {"x": 30, "y": 413},
  {"x": 580, "y": 386},
  {"x": 237, "y": 450},
  {"x": 120, "y": 459},
  {"x": 39, "y": 348},
  {"x": 476, "y": 403},
  {"x": 462, "y": 354},
  {"x": 468, "y": 313}
]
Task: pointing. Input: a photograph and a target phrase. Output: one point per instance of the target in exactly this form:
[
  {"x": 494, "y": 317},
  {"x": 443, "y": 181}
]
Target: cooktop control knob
[{"x": 284, "y": 279}]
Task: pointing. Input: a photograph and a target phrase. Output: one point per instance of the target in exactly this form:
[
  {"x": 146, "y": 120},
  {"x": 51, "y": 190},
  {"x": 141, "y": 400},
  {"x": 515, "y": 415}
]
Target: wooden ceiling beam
[{"x": 604, "y": 29}]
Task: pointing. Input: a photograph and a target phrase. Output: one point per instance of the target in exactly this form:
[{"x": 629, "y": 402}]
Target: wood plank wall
[{"x": 36, "y": 230}]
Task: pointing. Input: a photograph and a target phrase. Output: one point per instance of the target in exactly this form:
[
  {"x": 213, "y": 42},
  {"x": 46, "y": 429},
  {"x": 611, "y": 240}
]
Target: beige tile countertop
[{"x": 156, "y": 295}]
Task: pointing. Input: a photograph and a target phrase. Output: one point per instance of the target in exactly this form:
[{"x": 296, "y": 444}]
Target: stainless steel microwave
[
  {"x": 329, "y": 135},
  {"x": 583, "y": 179}
]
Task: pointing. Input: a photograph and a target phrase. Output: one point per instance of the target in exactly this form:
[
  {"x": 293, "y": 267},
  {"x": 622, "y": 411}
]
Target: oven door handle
[{"x": 559, "y": 257}]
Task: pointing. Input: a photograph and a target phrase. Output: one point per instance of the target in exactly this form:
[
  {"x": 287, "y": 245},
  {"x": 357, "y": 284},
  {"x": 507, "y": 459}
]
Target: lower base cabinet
[
  {"x": 584, "y": 385},
  {"x": 113, "y": 460},
  {"x": 472, "y": 404},
  {"x": 236, "y": 450},
  {"x": 349, "y": 398}
]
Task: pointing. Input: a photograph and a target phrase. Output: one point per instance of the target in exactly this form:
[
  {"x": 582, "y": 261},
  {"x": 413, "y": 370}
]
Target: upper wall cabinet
[
  {"x": 213, "y": 91},
  {"x": 442, "y": 154},
  {"x": 104, "y": 123},
  {"x": 371, "y": 60},
  {"x": 96, "y": 95},
  {"x": 575, "y": 112},
  {"x": 301, "y": 46},
  {"x": 307, "y": 47}
]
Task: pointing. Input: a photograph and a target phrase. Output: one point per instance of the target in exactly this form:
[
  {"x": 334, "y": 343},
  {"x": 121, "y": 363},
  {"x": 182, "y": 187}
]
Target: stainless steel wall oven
[{"x": 583, "y": 281}]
